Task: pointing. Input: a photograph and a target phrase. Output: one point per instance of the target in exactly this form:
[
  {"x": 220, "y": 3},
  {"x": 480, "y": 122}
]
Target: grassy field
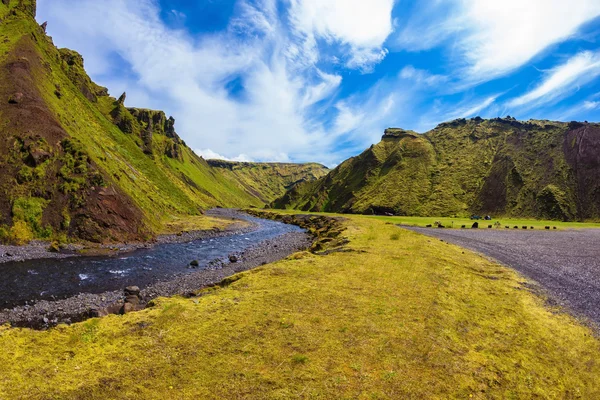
[
  {"x": 401, "y": 316},
  {"x": 511, "y": 222}
]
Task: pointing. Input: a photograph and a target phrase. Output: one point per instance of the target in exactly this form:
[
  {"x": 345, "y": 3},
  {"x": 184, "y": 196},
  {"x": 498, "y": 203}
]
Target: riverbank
[
  {"x": 44, "y": 314},
  {"x": 231, "y": 224},
  {"x": 395, "y": 315}
]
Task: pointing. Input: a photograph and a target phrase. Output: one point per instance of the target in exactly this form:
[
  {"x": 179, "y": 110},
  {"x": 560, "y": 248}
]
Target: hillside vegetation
[
  {"x": 269, "y": 181},
  {"x": 502, "y": 167},
  {"x": 397, "y": 315},
  {"x": 76, "y": 163}
]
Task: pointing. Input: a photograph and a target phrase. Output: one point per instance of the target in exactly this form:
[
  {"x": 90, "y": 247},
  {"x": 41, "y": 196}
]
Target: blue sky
[{"x": 319, "y": 80}]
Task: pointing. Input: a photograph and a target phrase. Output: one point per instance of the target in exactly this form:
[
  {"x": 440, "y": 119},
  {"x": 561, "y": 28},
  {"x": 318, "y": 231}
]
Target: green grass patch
[
  {"x": 412, "y": 318},
  {"x": 450, "y": 222}
]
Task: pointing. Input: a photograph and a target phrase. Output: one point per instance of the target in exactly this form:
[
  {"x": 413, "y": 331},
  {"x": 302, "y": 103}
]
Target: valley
[{"x": 131, "y": 267}]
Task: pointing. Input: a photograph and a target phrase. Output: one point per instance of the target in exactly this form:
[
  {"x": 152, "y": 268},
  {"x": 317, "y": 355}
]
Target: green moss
[
  {"x": 30, "y": 211},
  {"x": 501, "y": 167}
]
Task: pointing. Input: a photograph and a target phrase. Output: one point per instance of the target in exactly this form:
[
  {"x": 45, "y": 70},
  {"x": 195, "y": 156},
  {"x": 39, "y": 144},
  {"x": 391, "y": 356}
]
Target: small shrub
[
  {"x": 395, "y": 236},
  {"x": 24, "y": 175},
  {"x": 20, "y": 233},
  {"x": 4, "y": 234}
]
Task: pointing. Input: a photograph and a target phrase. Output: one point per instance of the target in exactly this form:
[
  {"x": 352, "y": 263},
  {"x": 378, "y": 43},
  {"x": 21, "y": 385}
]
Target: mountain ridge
[{"x": 500, "y": 166}]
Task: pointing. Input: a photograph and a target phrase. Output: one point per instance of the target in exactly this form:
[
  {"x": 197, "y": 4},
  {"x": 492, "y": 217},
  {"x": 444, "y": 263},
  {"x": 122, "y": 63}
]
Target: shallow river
[{"x": 50, "y": 279}]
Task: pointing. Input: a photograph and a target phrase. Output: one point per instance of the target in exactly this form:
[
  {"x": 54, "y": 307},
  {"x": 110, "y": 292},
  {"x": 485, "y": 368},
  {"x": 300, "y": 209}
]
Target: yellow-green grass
[
  {"x": 450, "y": 222},
  {"x": 403, "y": 316}
]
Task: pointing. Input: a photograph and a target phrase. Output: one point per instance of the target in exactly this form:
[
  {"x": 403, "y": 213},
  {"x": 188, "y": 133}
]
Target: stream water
[{"x": 50, "y": 279}]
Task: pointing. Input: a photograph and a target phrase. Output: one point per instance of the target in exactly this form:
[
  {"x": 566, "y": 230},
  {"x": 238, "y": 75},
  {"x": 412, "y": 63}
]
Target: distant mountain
[
  {"x": 503, "y": 167},
  {"x": 77, "y": 163},
  {"x": 268, "y": 181}
]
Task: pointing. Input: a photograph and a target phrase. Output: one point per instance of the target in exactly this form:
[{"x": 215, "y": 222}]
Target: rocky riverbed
[
  {"x": 46, "y": 313},
  {"x": 39, "y": 249}
]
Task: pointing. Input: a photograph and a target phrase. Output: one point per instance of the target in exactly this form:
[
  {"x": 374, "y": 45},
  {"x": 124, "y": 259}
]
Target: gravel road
[{"x": 566, "y": 263}]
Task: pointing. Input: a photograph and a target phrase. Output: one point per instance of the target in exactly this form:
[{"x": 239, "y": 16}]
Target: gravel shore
[
  {"x": 44, "y": 314},
  {"x": 566, "y": 263}
]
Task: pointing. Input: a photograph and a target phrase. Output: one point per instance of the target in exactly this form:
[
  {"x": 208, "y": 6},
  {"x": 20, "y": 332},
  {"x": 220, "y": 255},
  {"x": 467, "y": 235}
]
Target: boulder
[
  {"x": 475, "y": 225},
  {"x": 195, "y": 263},
  {"x": 132, "y": 299},
  {"x": 233, "y": 258},
  {"x": 132, "y": 291},
  {"x": 54, "y": 247},
  {"x": 127, "y": 308},
  {"x": 16, "y": 98}
]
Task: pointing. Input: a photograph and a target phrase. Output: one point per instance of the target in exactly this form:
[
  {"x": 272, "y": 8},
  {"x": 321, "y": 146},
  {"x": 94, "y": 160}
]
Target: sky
[{"x": 319, "y": 80}]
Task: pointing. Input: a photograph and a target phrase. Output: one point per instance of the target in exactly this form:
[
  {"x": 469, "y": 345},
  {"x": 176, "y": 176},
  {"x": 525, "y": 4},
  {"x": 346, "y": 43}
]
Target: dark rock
[
  {"x": 38, "y": 157},
  {"x": 475, "y": 225},
  {"x": 127, "y": 308},
  {"x": 98, "y": 312},
  {"x": 132, "y": 291},
  {"x": 132, "y": 299},
  {"x": 524, "y": 227},
  {"x": 195, "y": 263},
  {"x": 233, "y": 258},
  {"x": 16, "y": 98},
  {"x": 44, "y": 26},
  {"x": 463, "y": 227},
  {"x": 54, "y": 247},
  {"x": 122, "y": 98},
  {"x": 490, "y": 226},
  {"x": 8, "y": 255},
  {"x": 547, "y": 228}
]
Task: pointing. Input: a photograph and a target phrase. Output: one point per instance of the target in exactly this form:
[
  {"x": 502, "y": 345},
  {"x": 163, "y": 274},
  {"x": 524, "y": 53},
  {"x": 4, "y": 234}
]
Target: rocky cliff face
[{"x": 502, "y": 167}]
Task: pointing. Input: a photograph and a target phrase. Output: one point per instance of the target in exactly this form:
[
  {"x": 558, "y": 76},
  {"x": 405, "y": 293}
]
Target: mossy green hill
[
  {"x": 269, "y": 181},
  {"x": 78, "y": 163},
  {"x": 503, "y": 167}
]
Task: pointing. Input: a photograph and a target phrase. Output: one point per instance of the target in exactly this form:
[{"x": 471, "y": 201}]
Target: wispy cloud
[
  {"x": 578, "y": 70},
  {"x": 492, "y": 38},
  {"x": 318, "y": 80}
]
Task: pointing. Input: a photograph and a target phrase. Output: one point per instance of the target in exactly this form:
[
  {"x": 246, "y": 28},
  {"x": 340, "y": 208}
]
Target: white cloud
[
  {"x": 421, "y": 77},
  {"x": 208, "y": 154},
  {"x": 578, "y": 70},
  {"x": 591, "y": 105},
  {"x": 491, "y": 37},
  {"x": 361, "y": 25},
  {"x": 188, "y": 77}
]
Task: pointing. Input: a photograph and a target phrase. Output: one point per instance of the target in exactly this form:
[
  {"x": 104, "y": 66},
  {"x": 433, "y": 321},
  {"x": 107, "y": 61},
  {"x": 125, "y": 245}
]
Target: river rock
[
  {"x": 195, "y": 263},
  {"x": 127, "y": 308},
  {"x": 233, "y": 258},
  {"x": 132, "y": 299},
  {"x": 132, "y": 291}
]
